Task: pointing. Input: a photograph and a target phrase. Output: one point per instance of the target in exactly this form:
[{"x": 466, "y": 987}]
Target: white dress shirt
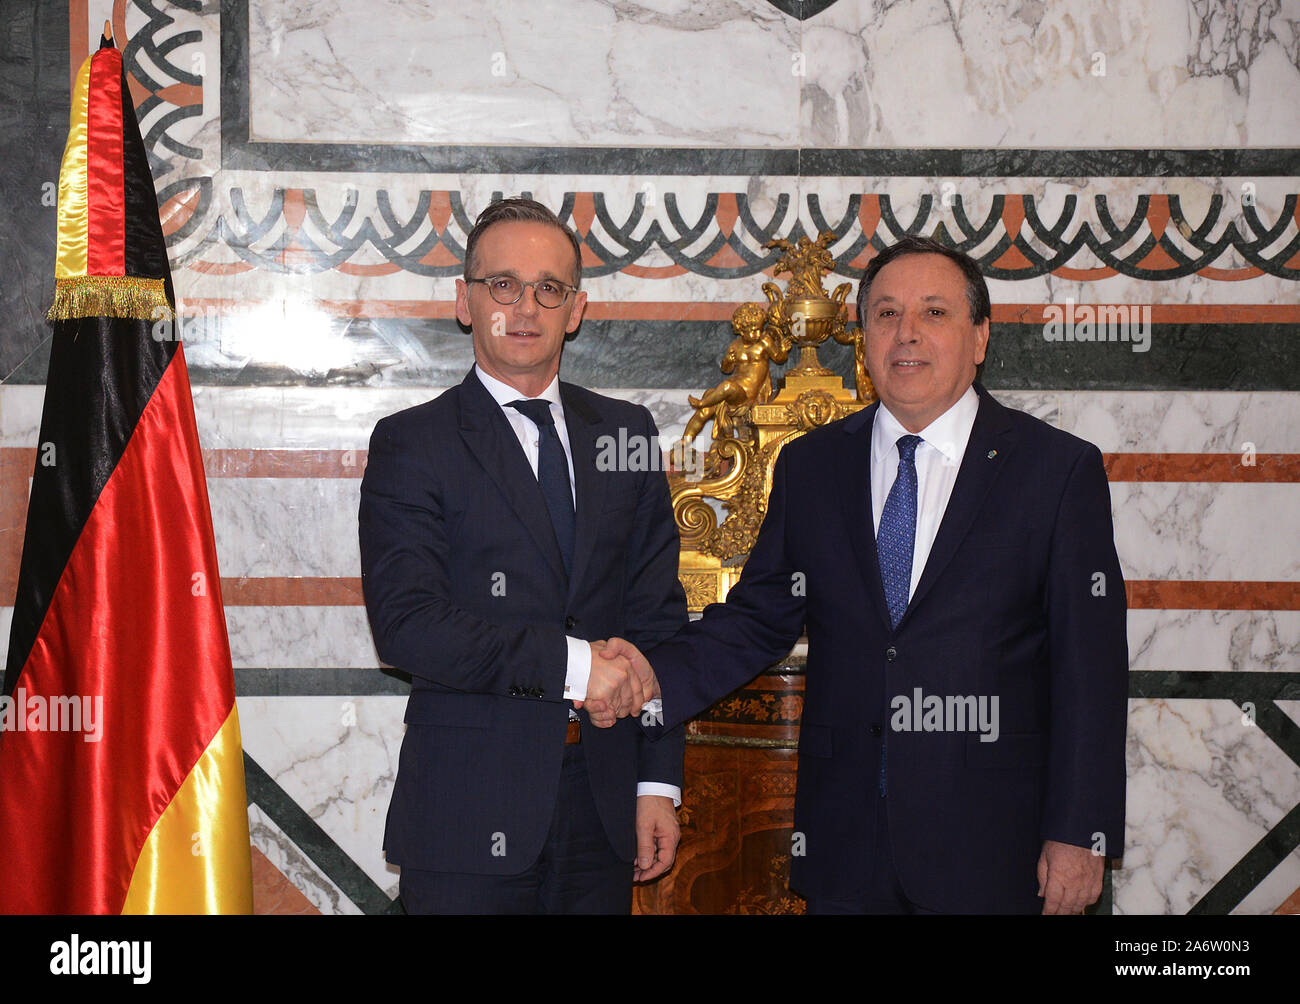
[
  {"x": 938, "y": 459},
  {"x": 578, "y": 668}
]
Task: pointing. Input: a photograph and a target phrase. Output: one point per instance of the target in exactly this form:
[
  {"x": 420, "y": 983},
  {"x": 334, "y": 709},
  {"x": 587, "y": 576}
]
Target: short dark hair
[
  {"x": 520, "y": 211},
  {"x": 977, "y": 290}
]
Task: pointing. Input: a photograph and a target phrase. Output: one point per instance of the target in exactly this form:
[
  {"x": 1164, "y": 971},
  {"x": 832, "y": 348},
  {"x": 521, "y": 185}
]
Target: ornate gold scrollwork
[{"x": 751, "y": 424}]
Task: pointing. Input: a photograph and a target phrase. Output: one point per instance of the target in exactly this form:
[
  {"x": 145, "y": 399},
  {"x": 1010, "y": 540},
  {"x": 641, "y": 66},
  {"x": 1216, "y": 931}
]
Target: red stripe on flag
[
  {"x": 106, "y": 251},
  {"x": 136, "y": 620}
]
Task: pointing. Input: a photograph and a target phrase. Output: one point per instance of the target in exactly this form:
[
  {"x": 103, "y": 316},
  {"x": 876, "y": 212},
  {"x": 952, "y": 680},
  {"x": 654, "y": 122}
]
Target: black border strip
[
  {"x": 314, "y": 842},
  {"x": 239, "y": 153}
]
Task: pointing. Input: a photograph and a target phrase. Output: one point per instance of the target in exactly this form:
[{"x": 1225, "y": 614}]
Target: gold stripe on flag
[
  {"x": 196, "y": 859},
  {"x": 74, "y": 197}
]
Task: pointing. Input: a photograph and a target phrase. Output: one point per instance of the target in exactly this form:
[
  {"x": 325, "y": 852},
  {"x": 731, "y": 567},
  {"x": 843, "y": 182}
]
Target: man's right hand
[
  {"x": 614, "y": 689},
  {"x": 643, "y": 684}
]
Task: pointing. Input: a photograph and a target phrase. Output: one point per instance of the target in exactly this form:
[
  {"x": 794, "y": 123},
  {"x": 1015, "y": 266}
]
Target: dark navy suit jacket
[
  {"x": 466, "y": 591},
  {"x": 1021, "y": 597}
]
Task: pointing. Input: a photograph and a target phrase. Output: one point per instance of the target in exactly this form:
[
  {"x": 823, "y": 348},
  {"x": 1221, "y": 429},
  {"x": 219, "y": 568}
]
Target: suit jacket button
[
  {"x": 570, "y": 623},
  {"x": 513, "y": 691},
  {"x": 541, "y": 692},
  {"x": 875, "y": 730},
  {"x": 891, "y": 654}
]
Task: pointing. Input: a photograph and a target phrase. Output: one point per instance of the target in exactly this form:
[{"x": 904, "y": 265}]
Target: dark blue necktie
[
  {"x": 896, "y": 538},
  {"x": 895, "y": 542},
  {"x": 552, "y": 475}
]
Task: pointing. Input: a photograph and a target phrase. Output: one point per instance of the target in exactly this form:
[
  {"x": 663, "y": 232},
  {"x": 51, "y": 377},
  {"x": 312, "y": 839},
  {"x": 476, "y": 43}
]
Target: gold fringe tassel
[{"x": 110, "y": 296}]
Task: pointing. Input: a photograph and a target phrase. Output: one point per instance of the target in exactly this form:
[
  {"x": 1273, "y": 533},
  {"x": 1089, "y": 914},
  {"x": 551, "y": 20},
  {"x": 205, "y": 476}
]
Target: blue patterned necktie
[
  {"x": 552, "y": 475},
  {"x": 896, "y": 538},
  {"x": 895, "y": 542}
]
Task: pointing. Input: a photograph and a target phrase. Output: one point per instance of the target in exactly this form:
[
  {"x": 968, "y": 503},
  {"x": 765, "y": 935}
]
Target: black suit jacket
[
  {"x": 466, "y": 591},
  {"x": 1021, "y": 597}
]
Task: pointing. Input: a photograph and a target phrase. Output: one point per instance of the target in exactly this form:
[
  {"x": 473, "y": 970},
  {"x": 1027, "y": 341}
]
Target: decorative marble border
[{"x": 1014, "y": 240}]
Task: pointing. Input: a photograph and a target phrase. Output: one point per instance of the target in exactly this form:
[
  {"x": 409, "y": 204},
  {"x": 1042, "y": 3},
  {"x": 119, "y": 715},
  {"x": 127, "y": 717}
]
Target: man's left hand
[
  {"x": 1069, "y": 877},
  {"x": 657, "y": 836}
]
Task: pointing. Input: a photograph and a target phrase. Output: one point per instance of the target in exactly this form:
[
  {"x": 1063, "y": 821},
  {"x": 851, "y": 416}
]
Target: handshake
[{"x": 621, "y": 682}]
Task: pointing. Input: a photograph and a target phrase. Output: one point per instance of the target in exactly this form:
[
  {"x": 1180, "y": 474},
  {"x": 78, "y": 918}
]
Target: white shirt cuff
[
  {"x": 578, "y": 670},
  {"x": 658, "y": 788}
]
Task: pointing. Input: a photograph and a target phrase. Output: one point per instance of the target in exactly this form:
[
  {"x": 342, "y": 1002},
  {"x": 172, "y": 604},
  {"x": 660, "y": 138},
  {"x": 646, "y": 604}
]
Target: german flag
[{"x": 121, "y": 767}]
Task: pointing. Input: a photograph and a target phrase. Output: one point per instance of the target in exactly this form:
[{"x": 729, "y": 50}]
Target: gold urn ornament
[{"x": 752, "y": 420}]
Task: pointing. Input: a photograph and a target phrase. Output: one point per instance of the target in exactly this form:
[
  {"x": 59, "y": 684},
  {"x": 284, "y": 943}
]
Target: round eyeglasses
[{"x": 506, "y": 289}]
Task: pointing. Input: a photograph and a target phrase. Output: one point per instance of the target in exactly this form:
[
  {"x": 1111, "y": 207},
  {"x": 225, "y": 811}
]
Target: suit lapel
[
  {"x": 855, "y": 496},
  {"x": 492, "y": 443},
  {"x": 583, "y": 424},
  {"x": 986, "y": 454}
]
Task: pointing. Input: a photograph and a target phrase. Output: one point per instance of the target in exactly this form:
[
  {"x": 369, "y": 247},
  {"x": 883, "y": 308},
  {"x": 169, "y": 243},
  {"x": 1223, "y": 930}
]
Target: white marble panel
[
  {"x": 1082, "y": 73},
  {"x": 1203, "y": 788},
  {"x": 20, "y": 414},
  {"x": 1184, "y": 421},
  {"x": 1162, "y": 640},
  {"x": 6, "y": 625},
  {"x": 342, "y": 418},
  {"x": 285, "y": 418},
  {"x": 286, "y": 526},
  {"x": 1196, "y": 640},
  {"x": 300, "y": 637},
  {"x": 1166, "y": 640},
  {"x": 587, "y": 72},
  {"x": 337, "y": 758},
  {"x": 1207, "y": 531}
]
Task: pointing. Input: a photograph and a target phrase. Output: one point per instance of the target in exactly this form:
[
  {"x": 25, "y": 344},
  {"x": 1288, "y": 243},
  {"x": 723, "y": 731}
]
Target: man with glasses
[{"x": 493, "y": 554}]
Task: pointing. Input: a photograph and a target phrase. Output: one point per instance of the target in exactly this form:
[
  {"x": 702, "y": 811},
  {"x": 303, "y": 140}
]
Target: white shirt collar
[
  {"x": 503, "y": 393},
  {"x": 949, "y": 433}
]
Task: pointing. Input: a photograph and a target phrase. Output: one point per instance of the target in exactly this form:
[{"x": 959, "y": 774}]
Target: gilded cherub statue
[{"x": 749, "y": 357}]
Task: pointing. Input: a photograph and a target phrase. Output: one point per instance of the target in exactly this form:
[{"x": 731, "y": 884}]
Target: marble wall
[{"x": 319, "y": 165}]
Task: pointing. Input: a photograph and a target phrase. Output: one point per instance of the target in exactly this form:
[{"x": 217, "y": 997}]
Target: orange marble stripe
[
  {"x": 1143, "y": 594},
  {"x": 15, "y": 471},
  {"x": 1230, "y": 274},
  {"x": 1272, "y": 468},
  {"x": 1210, "y": 468},
  {"x": 1085, "y": 274},
  {"x": 292, "y": 591},
  {"x": 1163, "y": 594},
  {"x": 387, "y": 268},
  {"x": 275, "y": 895},
  {"x": 654, "y": 271},
  {"x": 78, "y": 39},
  {"x": 16, "y": 463},
  {"x": 284, "y": 463}
]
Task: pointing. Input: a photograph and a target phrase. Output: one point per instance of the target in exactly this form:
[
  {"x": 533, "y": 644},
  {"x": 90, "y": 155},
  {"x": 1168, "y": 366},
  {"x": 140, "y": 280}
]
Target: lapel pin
[{"x": 992, "y": 454}]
